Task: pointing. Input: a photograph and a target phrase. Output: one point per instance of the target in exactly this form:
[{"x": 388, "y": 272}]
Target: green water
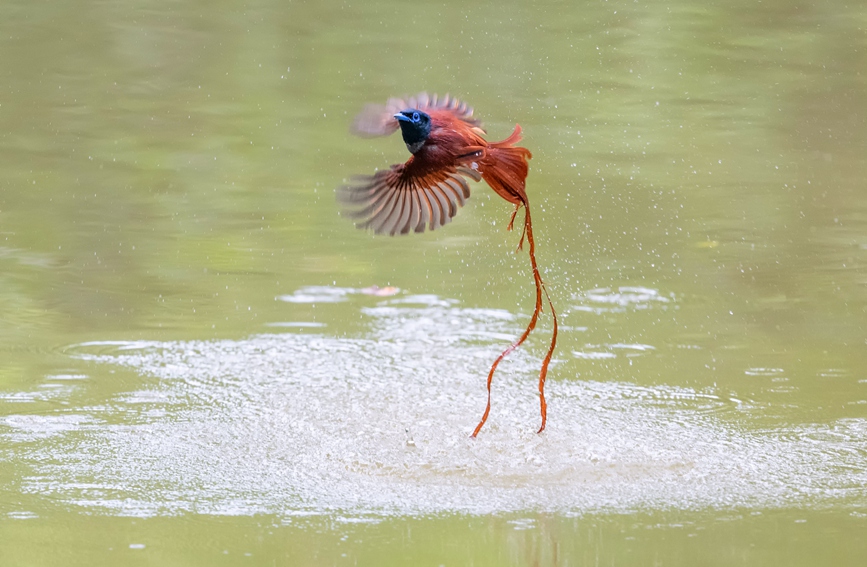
[{"x": 193, "y": 373}]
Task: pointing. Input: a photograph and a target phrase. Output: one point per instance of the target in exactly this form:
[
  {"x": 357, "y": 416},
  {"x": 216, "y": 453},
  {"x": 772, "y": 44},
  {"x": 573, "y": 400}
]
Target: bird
[{"x": 448, "y": 148}]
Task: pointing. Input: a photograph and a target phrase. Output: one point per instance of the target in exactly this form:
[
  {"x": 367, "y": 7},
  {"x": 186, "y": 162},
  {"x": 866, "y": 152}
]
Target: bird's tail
[{"x": 504, "y": 168}]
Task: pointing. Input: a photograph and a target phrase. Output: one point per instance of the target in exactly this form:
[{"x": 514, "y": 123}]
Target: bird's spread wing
[
  {"x": 378, "y": 120},
  {"x": 402, "y": 200}
]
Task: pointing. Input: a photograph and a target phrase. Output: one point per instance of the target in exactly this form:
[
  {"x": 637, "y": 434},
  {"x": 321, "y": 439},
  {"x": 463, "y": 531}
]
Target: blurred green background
[{"x": 167, "y": 174}]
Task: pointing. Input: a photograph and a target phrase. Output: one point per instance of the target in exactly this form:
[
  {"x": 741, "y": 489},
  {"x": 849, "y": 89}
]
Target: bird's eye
[{"x": 415, "y": 117}]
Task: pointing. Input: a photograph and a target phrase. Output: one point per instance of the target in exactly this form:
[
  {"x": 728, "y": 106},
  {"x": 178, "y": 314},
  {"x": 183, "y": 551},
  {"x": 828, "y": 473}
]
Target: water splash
[{"x": 312, "y": 424}]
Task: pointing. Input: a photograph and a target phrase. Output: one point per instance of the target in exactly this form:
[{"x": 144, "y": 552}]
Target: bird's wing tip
[{"x": 373, "y": 121}]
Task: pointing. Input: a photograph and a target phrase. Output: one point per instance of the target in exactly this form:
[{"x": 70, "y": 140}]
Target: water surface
[{"x": 196, "y": 368}]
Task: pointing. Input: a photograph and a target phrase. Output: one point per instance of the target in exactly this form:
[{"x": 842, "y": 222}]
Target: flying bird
[{"x": 448, "y": 148}]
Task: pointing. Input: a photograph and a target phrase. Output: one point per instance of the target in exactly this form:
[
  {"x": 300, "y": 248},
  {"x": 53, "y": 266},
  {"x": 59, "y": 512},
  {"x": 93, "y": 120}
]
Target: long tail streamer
[{"x": 540, "y": 287}]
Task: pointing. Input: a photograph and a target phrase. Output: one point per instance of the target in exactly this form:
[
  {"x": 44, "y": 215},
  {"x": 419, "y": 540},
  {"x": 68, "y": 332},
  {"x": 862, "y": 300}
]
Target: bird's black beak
[{"x": 401, "y": 117}]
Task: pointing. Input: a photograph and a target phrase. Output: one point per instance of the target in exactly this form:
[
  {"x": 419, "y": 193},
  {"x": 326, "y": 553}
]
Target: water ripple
[
  {"x": 605, "y": 300},
  {"x": 310, "y": 423}
]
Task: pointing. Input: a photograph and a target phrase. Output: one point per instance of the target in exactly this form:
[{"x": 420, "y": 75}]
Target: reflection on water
[{"x": 308, "y": 423}]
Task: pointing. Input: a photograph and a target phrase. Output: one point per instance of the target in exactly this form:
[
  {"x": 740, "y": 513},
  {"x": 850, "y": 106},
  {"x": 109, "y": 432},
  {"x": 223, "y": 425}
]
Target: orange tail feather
[
  {"x": 504, "y": 168},
  {"x": 543, "y": 373}
]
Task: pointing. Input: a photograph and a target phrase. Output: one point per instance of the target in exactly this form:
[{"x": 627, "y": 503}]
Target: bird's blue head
[{"x": 415, "y": 127}]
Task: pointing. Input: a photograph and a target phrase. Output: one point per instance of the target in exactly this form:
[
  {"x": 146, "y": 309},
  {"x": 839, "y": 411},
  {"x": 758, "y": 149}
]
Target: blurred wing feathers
[
  {"x": 471, "y": 173},
  {"x": 394, "y": 201},
  {"x": 374, "y": 120},
  {"x": 378, "y": 120}
]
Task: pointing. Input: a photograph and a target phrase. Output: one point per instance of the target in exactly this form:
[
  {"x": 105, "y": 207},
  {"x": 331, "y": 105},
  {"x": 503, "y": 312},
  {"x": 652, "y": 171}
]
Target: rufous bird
[{"x": 448, "y": 148}]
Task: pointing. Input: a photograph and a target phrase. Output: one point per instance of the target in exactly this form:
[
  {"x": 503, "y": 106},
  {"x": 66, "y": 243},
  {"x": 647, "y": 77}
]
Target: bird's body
[{"x": 447, "y": 147}]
